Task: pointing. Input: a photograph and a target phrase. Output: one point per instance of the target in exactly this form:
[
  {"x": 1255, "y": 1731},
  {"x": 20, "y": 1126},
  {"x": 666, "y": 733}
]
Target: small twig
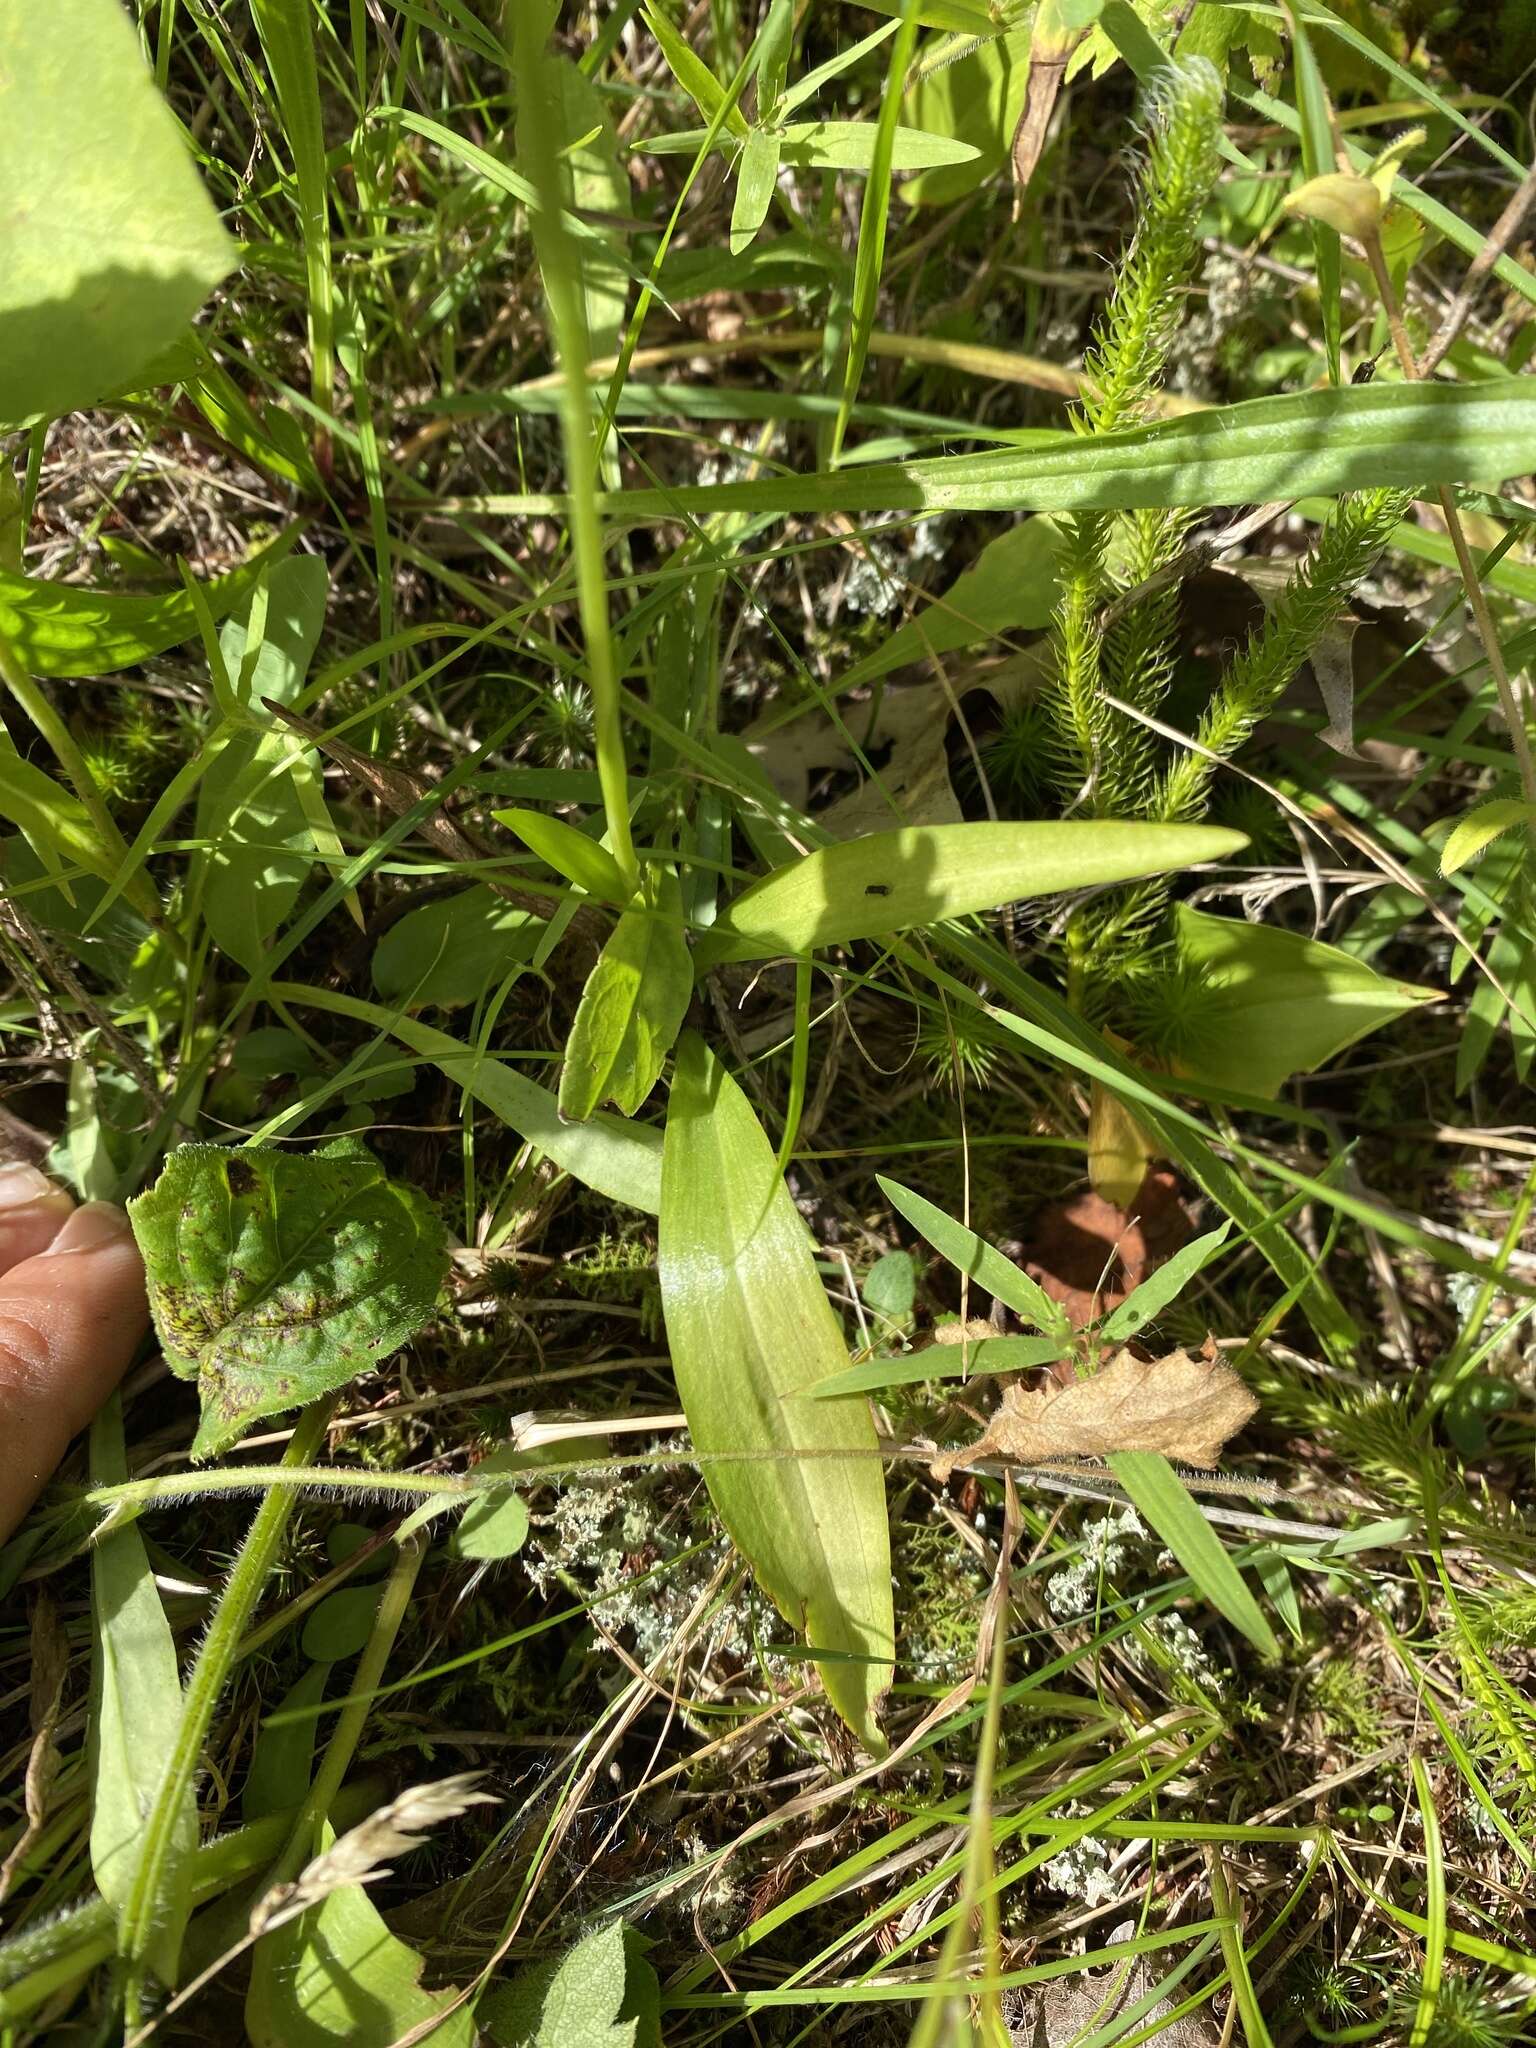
[{"x": 1500, "y": 235}]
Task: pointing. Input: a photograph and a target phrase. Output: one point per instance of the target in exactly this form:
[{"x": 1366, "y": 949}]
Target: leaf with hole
[
  {"x": 1273, "y": 1004},
  {"x": 750, "y": 1327},
  {"x": 275, "y": 1277},
  {"x": 111, "y": 244},
  {"x": 892, "y": 882}
]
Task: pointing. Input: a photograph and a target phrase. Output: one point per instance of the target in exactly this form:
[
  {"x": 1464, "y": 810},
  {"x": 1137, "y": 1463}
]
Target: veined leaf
[
  {"x": 64, "y": 629},
  {"x": 1164, "y": 1502},
  {"x": 1359, "y": 437},
  {"x": 756, "y": 176},
  {"x": 600, "y": 1994},
  {"x": 570, "y": 853},
  {"x": 110, "y": 243},
  {"x": 448, "y": 952},
  {"x": 632, "y": 1007},
  {"x": 1274, "y": 1004},
  {"x": 985, "y": 1264},
  {"x": 892, "y": 881},
  {"x": 960, "y": 17},
  {"x": 693, "y": 74},
  {"x": 276, "y": 1276},
  {"x": 750, "y": 1327}
]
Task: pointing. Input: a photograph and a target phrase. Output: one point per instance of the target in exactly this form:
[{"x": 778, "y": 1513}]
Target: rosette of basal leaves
[{"x": 275, "y": 1277}]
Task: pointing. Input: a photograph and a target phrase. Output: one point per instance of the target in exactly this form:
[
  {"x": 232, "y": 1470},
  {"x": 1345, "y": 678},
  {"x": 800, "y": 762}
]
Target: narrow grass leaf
[
  {"x": 286, "y": 29},
  {"x": 984, "y": 1263},
  {"x": 1317, "y": 161},
  {"x": 1164, "y": 1503},
  {"x": 943, "y": 1362},
  {"x": 110, "y": 242},
  {"x": 893, "y": 881},
  {"x": 1147, "y": 1301},
  {"x": 570, "y": 853},
  {"x": 750, "y": 1326},
  {"x": 1428, "y": 2003}
]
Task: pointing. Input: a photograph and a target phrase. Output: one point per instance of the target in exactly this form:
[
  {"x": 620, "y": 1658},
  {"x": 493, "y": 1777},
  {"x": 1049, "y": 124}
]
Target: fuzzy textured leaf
[
  {"x": 750, "y": 1328},
  {"x": 277, "y": 1276},
  {"x": 600, "y": 1994},
  {"x": 1274, "y": 1004},
  {"x": 109, "y": 242},
  {"x": 1477, "y": 831},
  {"x": 892, "y": 881}
]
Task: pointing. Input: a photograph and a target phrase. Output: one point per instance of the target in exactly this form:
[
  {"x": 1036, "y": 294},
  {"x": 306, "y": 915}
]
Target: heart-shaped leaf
[{"x": 277, "y": 1276}]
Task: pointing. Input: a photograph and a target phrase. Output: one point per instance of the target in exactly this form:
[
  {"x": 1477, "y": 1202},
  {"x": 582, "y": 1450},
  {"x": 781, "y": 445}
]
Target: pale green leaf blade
[
  {"x": 750, "y": 1327},
  {"x": 893, "y": 881},
  {"x": 1361, "y": 436},
  {"x": 618, "y": 1159},
  {"x": 853, "y": 146},
  {"x": 110, "y": 242},
  {"x": 135, "y": 1701},
  {"x": 67, "y": 629},
  {"x": 1317, "y": 159},
  {"x": 756, "y": 177},
  {"x": 971, "y": 1254},
  {"x": 55, "y": 824},
  {"x": 1476, "y": 832},
  {"x": 251, "y": 812},
  {"x": 570, "y": 853},
  {"x": 337, "y": 1978},
  {"x": 631, "y": 1009},
  {"x": 692, "y": 73},
  {"x": 277, "y": 1276},
  {"x": 1275, "y": 1004},
  {"x": 497, "y": 1526},
  {"x": 977, "y": 98},
  {"x": 600, "y": 1994},
  {"x": 944, "y": 1362},
  {"x": 1164, "y": 1502},
  {"x": 1148, "y": 1300},
  {"x": 449, "y": 952},
  {"x": 593, "y": 181}
]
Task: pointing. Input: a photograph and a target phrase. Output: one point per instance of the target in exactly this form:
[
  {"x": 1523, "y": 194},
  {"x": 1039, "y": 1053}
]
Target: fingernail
[
  {"x": 97, "y": 1223},
  {"x": 20, "y": 1184}
]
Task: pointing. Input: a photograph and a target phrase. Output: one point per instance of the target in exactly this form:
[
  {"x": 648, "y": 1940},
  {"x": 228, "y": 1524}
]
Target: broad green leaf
[
  {"x": 632, "y": 1007},
  {"x": 284, "y": 1751},
  {"x": 977, "y": 100},
  {"x": 1273, "y": 1004},
  {"x": 570, "y": 853},
  {"x": 1363, "y": 436},
  {"x": 277, "y": 1276},
  {"x": 756, "y": 176},
  {"x": 337, "y": 1978},
  {"x": 340, "y": 1626},
  {"x": 451, "y": 951},
  {"x": 944, "y": 1362},
  {"x": 1477, "y": 831},
  {"x": 65, "y": 629},
  {"x": 985, "y": 1264},
  {"x": 108, "y": 242},
  {"x": 1009, "y": 588},
  {"x": 251, "y": 811},
  {"x": 1148, "y": 1300},
  {"x": 1164, "y": 1502},
  {"x": 620, "y": 1160},
  {"x": 750, "y": 1326},
  {"x": 889, "y": 1287},
  {"x": 600, "y": 1994},
  {"x": 892, "y": 881},
  {"x": 135, "y": 1702},
  {"x": 497, "y": 1526}
]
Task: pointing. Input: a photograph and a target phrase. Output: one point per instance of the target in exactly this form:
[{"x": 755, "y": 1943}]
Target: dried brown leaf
[
  {"x": 50, "y": 1666},
  {"x": 1183, "y": 1407}
]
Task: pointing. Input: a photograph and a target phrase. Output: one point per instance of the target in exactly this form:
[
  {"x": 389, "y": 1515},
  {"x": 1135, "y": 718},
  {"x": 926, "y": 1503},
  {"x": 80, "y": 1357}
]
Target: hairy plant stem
[
  {"x": 1487, "y": 631},
  {"x": 204, "y": 1688}
]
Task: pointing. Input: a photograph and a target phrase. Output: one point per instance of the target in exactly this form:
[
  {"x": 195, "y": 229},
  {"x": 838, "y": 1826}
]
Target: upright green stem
[
  {"x": 560, "y": 267},
  {"x": 205, "y": 1686}
]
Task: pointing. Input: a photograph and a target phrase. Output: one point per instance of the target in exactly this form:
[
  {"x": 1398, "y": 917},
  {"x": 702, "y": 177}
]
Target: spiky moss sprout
[
  {"x": 1470, "y": 2012},
  {"x": 1343, "y": 1693},
  {"x": 1094, "y": 771}
]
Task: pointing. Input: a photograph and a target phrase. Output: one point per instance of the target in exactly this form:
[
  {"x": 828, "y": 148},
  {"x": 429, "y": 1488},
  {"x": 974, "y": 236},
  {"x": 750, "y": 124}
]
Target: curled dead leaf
[{"x": 1183, "y": 1407}]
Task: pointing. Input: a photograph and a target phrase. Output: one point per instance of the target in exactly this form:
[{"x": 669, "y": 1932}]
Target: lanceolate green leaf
[
  {"x": 620, "y": 1160},
  {"x": 752, "y": 1332},
  {"x": 1323, "y": 442},
  {"x": 65, "y": 629},
  {"x": 1164, "y": 1501},
  {"x": 632, "y": 1007},
  {"x": 570, "y": 853},
  {"x": 1275, "y": 1004},
  {"x": 893, "y": 881},
  {"x": 277, "y": 1276},
  {"x": 108, "y": 242},
  {"x": 1477, "y": 831},
  {"x": 983, "y": 1262},
  {"x": 832, "y": 146}
]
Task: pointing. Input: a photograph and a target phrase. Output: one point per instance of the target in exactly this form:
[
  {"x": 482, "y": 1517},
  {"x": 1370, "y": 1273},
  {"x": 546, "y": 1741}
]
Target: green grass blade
[{"x": 1164, "y": 1502}]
